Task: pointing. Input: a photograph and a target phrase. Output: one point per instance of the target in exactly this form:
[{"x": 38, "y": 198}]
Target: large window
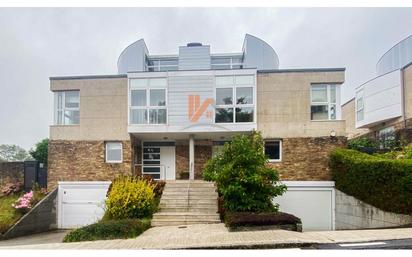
[
  {"x": 114, "y": 152},
  {"x": 359, "y": 105},
  {"x": 273, "y": 149},
  {"x": 235, "y": 99},
  {"x": 148, "y": 101},
  {"x": 226, "y": 62},
  {"x": 166, "y": 64},
  {"x": 67, "y": 107},
  {"x": 324, "y": 102}
]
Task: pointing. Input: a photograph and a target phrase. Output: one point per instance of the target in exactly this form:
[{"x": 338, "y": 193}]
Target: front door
[
  {"x": 159, "y": 161},
  {"x": 167, "y": 161}
]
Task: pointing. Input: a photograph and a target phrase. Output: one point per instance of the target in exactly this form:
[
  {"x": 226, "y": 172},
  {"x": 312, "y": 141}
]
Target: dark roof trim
[
  {"x": 303, "y": 70},
  {"x": 89, "y": 77}
]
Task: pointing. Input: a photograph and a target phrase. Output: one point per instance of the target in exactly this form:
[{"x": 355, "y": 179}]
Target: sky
[{"x": 39, "y": 43}]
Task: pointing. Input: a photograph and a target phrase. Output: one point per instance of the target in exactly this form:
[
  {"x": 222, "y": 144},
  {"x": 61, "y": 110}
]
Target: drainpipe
[{"x": 191, "y": 157}]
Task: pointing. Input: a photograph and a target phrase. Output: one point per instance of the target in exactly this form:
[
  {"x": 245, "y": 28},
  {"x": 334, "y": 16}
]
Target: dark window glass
[
  {"x": 224, "y": 115},
  {"x": 272, "y": 150},
  {"x": 151, "y": 162},
  {"x": 151, "y": 169},
  {"x": 151, "y": 150},
  {"x": 244, "y": 114},
  {"x": 151, "y": 156}
]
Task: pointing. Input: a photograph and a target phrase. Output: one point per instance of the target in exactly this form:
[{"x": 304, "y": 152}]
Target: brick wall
[
  {"x": 307, "y": 158},
  {"x": 11, "y": 172},
  {"x": 84, "y": 160},
  {"x": 203, "y": 152}
]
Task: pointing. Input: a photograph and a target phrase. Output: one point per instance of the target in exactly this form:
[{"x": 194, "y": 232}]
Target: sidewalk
[{"x": 217, "y": 236}]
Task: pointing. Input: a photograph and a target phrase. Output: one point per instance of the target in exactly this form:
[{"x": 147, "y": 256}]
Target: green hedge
[
  {"x": 383, "y": 183},
  {"x": 109, "y": 229}
]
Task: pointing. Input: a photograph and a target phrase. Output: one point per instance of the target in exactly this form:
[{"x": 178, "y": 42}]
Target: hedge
[
  {"x": 236, "y": 219},
  {"x": 109, "y": 229},
  {"x": 383, "y": 183}
]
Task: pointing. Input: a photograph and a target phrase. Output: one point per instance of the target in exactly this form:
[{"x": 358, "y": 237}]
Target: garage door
[
  {"x": 312, "y": 201},
  {"x": 81, "y": 203}
]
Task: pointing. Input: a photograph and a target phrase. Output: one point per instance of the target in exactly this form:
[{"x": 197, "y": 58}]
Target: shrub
[
  {"x": 158, "y": 185},
  {"x": 383, "y": 183},
  {"x": 361, "y": 143},
  {"x": 11, "y": 188},
  {"x": 236, "y": 219},
  {"x": 110, "y": 229},
  {"x": 40, "y": 152},
  {"x": 130, "y": 197},
  {"x": 242, "y": 176}
]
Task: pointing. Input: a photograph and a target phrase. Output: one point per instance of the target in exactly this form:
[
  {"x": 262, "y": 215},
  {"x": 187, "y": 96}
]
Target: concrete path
[
  {"x": 217, "y": 236},
  {"x": 36, "y": 239}
]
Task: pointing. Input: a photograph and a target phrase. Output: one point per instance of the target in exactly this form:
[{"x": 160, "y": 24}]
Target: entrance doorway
[{"x": 158, "y": 160}]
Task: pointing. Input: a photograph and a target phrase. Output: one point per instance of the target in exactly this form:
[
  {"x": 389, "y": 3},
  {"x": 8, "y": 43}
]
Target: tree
[
  {"x": 13, "y": 153},
  {"x": 243, "y": 177},
  {"x": 40, "y": 152}
]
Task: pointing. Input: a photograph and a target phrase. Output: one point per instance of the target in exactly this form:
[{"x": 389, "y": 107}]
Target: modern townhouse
[
  {"x": 166, "y": 115},
  {"x": 382, "y": 106}
]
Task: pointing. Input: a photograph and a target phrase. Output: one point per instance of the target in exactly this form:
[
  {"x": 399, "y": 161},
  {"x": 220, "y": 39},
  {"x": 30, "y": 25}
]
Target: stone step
[
  {"x": 187, "y": 216},
  {"x": 202, "y": 209},
  {"x": 188, "y": 201},
  {"x": 190, "y": 197},
  {"x": 191, "y": 192},
  {"x": 161, "y": 223}
]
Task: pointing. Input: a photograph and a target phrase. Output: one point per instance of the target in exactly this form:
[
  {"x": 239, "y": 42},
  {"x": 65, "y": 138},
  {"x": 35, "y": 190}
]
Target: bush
[
  {"x": 110, "y": 229},
  {"x": 236, "y": 219},
  {"x": 40, "y": 152},
  {"x": 242, "y": 176},
  {"x": 363, "y": 143},
  {"x": 383, "y": 183},
  {"x": 11, "y": 188},
  {"x": 130, "y": 197}
]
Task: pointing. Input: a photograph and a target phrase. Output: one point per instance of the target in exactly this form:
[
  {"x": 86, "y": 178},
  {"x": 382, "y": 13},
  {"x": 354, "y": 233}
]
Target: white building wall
[{"x": 382, "y": 99}]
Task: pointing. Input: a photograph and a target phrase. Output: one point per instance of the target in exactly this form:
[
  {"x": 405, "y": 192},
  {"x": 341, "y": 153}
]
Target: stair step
[
  {"x": 188, "y": 202},
  {"x": 162, "y": 223},
  {"x": 188, "y": 209},
  {"x": 191, "y": 197}
]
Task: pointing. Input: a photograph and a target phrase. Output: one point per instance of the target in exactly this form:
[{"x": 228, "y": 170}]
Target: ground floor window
[
  {"x": 114, "y": 152},
  {"x": 273, "y": 149},
  {"x": 387, "y": 137}
]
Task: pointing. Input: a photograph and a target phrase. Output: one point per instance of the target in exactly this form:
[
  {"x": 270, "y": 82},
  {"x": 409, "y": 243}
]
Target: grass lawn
[{"x": 8, "y": 215}]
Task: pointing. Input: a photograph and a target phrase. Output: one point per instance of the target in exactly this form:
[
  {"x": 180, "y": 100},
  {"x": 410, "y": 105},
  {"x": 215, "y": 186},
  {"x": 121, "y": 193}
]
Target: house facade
[
  {"x": 165, "y": 115},
  {"x": 382, "y": 106}
]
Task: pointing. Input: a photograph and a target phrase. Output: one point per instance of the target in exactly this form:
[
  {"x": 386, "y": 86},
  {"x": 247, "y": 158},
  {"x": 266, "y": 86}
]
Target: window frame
[
  {"x": 147, "y": 88},
  {"x": 234, "y": 104},
  {"x": 106, "y": 151},
  {"x": 280, "y": 149},
  {"x": 360, "y": 95},
  {"x": 64, "y": 108},
  {"x": 328, "y": 102}
]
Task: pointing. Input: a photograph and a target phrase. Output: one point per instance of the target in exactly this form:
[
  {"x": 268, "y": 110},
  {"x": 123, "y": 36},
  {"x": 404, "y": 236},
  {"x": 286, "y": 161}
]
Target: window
[
  {"x": 162, "y": 64},
  {"x": 67, "y": 107},
  {"x": 226, "y": 63},
  {"x": 387, "y": 137},
  {"x": 234, "y": 99},
  {"x": 324, "y": 102},
  {"x": 359, "y": 106},
  {"x": 148, "y": 101},
  {"x": 114, "y": 152},
  {"x": 273, "y": 149}
]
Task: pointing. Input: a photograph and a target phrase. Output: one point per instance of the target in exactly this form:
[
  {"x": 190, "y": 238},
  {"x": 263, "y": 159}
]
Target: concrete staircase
[{"x": 187, "y": 202}]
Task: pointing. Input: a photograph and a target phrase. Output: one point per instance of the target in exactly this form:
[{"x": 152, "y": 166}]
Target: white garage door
[
  {"x": 81, "y": 203},
  {"x": 312, "y": 201}
]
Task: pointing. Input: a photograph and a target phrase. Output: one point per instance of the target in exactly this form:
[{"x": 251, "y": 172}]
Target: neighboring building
[
  {"x": 382, "y": 107},
  {"x": 166, "y": 115}
]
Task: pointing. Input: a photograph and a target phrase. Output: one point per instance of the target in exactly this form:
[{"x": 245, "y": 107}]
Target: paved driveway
[{"x": 55, "y": 236}]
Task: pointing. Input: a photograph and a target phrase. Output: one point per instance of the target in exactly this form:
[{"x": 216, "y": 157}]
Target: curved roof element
[
  {"x": 133, "y": 57},
  {"x": 395, "y": 58},
  {"x": 259, "y": 54}
]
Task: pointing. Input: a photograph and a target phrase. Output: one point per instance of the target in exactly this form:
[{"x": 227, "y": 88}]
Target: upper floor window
[
  {"x": 359, "y": 106},
  {"x": 67, "y": 107},
  {"x": 234, "y": 99},
  {"x": 324, "y": 102},
  {"x": 226, "y": 63},
  {"x": 148, "y": 101},
  {"x": 162, "y": 64}
]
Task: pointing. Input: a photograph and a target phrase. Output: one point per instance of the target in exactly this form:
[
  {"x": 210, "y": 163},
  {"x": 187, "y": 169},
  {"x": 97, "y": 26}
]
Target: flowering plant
[{"x": 24, "y": 203}]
